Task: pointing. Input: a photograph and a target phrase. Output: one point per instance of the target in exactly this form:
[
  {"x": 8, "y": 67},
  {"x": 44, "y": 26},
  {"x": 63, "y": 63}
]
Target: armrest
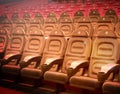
[
  {"x": 50, "y": 62},
  {"x": 11, "y": 57},
  {"x": 75, "y": 66},
  {"x": 29, "y": 59},
  {"x": 106, "y": 71}
]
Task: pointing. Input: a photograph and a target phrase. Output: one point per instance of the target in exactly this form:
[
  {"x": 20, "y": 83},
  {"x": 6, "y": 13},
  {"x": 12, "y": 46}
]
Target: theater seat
[
  {"x": 34, "y": 47},
  {"x": 77, "y": 54},
  {"x": 3, "y": 42},
  {"x": 14, "y": 49},
  {"x": 5, "y": 30},
  {"x": 103, "y": 61},
  {"x": 52, "y": 55},
  {"x": 113, "y": 86}
]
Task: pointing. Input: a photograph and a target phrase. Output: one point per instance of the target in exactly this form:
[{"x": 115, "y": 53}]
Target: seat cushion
[
  {"x": 11, "y": 69},
  {"x": 56, "y": 77},
  {"x": 31, "y": 73},
  {"x": 111, "y": 87},
  {"x": 84, "y": 82}
]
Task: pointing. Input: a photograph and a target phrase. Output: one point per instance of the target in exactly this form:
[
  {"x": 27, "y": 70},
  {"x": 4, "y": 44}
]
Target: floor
[{"x": 12, "y": 88}]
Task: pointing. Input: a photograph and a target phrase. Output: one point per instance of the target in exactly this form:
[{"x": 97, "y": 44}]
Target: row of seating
[
  {"x": 65, "y": 23},
  {"x": 77, "y": 60},
  {"x": 49, "y": 23}
]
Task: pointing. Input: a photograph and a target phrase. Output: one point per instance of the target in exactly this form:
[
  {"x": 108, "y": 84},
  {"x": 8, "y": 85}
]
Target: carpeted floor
[
  {"x": 5, "y": 90},
  {"x": 11, "y": 88}
]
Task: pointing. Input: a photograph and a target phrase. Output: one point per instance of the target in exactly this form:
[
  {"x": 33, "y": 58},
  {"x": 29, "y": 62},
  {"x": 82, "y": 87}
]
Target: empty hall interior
[{"x": 59, "y": 46}]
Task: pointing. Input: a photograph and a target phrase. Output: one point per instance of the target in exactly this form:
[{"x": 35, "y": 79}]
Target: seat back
[
  {"x": 54, "y": 48},
  {"x": 16, "y": 42},
  {"x": 105, "y": 50},
  {"x": 117, "y": 29},
  {"x": 3, "y": 42},
  {"x": 79, "y": 46},
  {"x": 65, "y": 24},
  {"x": 84, "y": 24},
  {"x": 6, "y": 24},
  {"x": 5, "y": 34},
  {"x": 50, "y": 24},
  {"x": 110, "y": 13},
  {"x": 35, "y": 41}
]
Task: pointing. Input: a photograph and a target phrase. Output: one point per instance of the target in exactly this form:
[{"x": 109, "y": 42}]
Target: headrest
[
  {"x": 19, "y": 31},
  {"x": 50, "y": 20},
  {"x": 64, "y": 14},
  {"x": 105, "y": 34},
  {"x": 5, "y": 19},
  {"x": 34, "y": 21},
  {"x": 83, "y": 20},
  {"x": 56, "y": 33},
  {"x": 78, "y": 13},
  {"x": 110, "y": 12},
  {"x": 3, "y": 31},
  {"x": 65, "y": 20},
  {"x": 26, "y": 17},
  {"x": 94, "y": 13},
  {"x": 80, "y": 33},
  {"x": 38, "y": 15},
  {"x": 35, "y": 31},
  {"x": 104, "y": 23},
  {"x": 14, "y": 16},
  {"x": 104, "y": 20},
  {"x": 51, "y": 14},
  {"x": 103, "y": 27},
  {"x": 20, "y": 21}
]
